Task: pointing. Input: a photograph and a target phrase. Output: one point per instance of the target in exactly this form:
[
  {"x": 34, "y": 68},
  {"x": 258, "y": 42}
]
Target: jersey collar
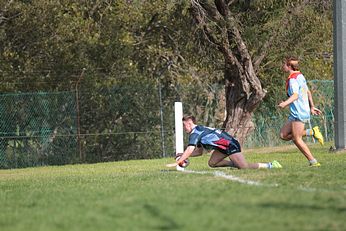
[{"x": 293, "y": 75}]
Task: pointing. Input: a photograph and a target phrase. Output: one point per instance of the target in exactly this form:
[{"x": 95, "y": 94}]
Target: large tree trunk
[
  {"x": 243, "y": 89},
  {"x": 240, "y": 102}
]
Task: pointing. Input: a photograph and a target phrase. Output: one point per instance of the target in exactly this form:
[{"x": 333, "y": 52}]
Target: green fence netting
[
  {"x": 37, "y": 129},
  {"x": 125, "y": 122},
  {"x": 269, "y": 123}
]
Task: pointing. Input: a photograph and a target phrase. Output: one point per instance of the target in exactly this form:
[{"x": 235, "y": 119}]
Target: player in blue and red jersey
[
  {"x": 301, "y": 106},
  {"x": 221, "y": 144}
]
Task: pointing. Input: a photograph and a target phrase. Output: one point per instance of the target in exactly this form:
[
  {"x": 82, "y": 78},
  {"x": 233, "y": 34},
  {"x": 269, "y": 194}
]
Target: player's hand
[
  {"x": 282, "y": 105},
  {"x": 316, "y": 111},
  {"x": 178, "y": 154}
]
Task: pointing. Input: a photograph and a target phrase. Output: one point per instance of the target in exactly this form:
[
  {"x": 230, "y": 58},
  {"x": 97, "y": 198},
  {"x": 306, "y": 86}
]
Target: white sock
[
  {"x": 264, "y": 165},
  {"x": 313, "y": 161},
  {"x": 309, "y": 132}
]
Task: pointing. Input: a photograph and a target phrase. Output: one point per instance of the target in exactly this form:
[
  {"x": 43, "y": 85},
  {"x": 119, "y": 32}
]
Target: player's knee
[
  {"x": 212, "y": 164},
  {"x": 284, "y": 136},
  {"x": 297, "y": 139}
]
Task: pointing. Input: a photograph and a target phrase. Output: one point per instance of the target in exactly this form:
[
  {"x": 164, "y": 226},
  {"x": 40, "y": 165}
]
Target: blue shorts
[
  {"x": 227, "y": 146},
  {"x": 234, "y": 147},
  {"x": 292, "y": 119}
]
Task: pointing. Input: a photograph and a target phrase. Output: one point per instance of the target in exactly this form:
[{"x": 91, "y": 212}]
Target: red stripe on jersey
[
  {"x": 293, "y": 75},
  {"x": 222, "y": 143}
]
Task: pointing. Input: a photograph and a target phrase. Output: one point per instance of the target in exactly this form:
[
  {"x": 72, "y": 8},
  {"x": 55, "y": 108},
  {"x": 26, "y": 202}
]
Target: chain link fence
[
  {"x": 269, "y": 123},
  {"x": 37, "y": 129},
  {"x": 124, "y": 122}
]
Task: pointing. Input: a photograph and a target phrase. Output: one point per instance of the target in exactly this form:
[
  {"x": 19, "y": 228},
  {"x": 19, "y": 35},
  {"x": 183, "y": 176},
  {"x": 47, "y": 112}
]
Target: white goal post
[{"x": 179, "y": 135}]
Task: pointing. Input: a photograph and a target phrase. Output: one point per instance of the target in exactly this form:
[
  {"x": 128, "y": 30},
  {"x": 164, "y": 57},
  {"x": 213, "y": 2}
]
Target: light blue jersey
[{"x": 300, "y": 108}]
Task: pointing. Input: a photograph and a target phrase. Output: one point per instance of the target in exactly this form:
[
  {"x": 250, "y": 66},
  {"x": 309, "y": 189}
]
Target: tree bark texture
[{"x": 243, "y": 89}]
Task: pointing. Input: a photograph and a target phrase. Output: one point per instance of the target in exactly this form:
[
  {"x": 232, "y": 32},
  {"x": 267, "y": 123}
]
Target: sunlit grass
[{"x": 144, "y": 195}]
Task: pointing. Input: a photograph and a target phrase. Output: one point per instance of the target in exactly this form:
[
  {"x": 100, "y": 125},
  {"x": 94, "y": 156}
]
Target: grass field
[{"x": 144, "y": 195}]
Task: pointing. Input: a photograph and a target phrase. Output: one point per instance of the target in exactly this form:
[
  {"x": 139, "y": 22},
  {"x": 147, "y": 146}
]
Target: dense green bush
[{"x": 118, "y": 54}]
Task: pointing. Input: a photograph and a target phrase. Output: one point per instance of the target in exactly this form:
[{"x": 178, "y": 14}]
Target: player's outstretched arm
[{"x": 187, "y": 153}]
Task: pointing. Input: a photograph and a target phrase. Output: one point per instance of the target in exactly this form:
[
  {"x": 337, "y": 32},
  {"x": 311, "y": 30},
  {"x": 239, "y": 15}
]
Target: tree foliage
[{"x": 45, "y": 45}]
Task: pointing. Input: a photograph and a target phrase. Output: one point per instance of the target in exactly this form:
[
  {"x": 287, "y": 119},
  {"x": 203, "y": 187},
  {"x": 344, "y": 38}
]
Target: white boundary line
[
  {"x": 230, "y": 177},
  {"x": 248, "y": 182}
]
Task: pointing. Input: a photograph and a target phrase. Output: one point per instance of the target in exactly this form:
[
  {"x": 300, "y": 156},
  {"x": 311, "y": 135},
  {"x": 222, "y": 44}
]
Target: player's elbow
[{"x": 295, "y": 96}]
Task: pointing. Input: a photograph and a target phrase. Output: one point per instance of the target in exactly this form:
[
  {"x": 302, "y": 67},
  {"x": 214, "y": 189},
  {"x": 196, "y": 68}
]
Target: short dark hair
[
  {"x": 292, "y": 62},
  {"x": 189, "y": 117}
]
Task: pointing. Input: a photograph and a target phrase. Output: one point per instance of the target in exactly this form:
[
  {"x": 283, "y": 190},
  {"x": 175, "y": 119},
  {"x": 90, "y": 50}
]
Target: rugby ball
[{"x": 183, "y": 165}]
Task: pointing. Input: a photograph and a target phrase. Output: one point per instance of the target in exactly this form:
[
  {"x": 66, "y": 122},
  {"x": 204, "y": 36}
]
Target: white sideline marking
[
  {"x": 307, "y": 189},
  {"x": 231, "y": 178},
  {"x": 236, "y": 179},
  {"x": 251, "y": 182}
]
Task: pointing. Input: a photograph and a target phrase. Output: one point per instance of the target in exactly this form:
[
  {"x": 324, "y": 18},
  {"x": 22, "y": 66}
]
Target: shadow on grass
[
  {"x": 314, "y": 207},
  {"x": 168, "y": 222}
]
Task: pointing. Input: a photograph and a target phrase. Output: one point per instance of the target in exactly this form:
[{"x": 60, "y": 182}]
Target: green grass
[{"x": 144, "y": 195}]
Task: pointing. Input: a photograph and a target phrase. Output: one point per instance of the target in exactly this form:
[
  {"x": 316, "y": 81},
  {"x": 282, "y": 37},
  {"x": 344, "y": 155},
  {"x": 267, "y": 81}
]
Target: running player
[{"x": 301, "y": 105}]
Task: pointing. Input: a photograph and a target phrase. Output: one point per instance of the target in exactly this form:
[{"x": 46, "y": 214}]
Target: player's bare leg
[
  {"x": 239, "y": 161},
  {"x": 286, "y": 131},
  {"x": 197, "y": 152},
  {"x": 297, "y": 130},
  {"x": 217, "y": 159}
]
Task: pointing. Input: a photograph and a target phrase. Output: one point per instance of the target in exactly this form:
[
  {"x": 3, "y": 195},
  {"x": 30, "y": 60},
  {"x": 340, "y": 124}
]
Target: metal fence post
[
  {"x": 161, "y": 118},
  {"x": 340, "y": 73},
  {"x": 78, "y": 117}
]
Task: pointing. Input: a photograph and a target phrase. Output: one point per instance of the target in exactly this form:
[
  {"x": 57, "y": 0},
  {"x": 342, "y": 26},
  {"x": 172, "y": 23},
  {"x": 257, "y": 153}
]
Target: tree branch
[
  {"x": 264, "y": 50},
  {"x": 258, "y": 60},
  {"x": 222, "y": 7},
  {"x": 231, "y": 2},
  {"x": 2, "y": 17}
]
